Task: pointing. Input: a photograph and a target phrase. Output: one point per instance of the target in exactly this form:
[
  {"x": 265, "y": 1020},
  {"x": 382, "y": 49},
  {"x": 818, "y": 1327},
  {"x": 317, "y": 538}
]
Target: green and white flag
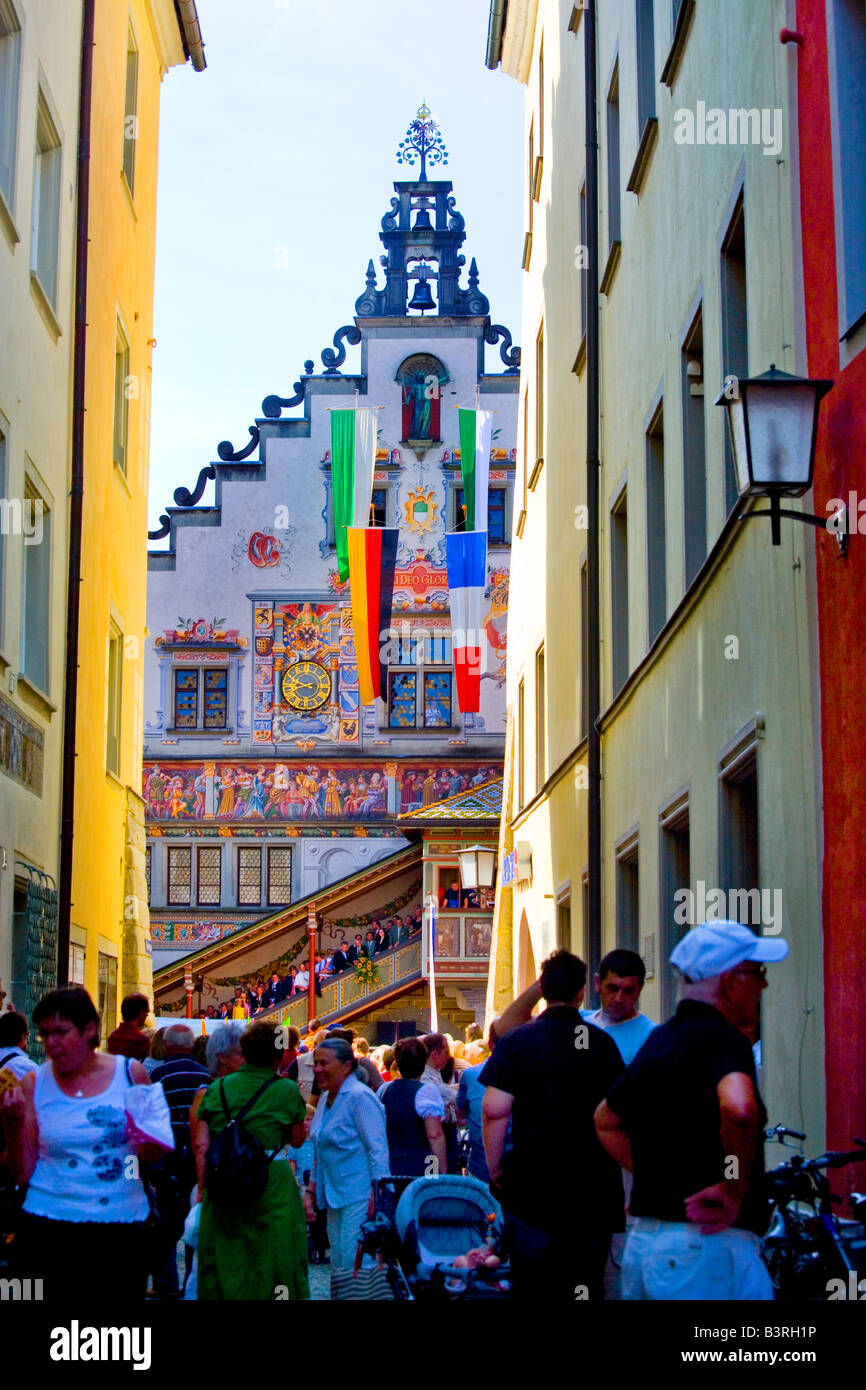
[
  {"x": 353, "y": 452},
  {"x": 476, "y": 427}
]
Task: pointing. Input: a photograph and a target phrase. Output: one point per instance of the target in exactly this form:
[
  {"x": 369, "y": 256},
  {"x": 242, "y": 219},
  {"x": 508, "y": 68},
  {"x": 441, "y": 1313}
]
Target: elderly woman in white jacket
[{"x": 351, "y": 1150}]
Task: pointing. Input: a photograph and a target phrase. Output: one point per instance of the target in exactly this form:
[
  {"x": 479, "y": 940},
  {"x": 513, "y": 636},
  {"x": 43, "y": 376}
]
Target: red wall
[{"x": 840, "y": 467}]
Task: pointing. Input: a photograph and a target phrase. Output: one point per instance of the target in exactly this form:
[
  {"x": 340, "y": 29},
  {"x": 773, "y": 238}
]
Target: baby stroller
[{"x": 418, "y": 1237}]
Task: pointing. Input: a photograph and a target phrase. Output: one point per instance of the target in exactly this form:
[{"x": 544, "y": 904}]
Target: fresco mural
[{"x": 287, "y": 792}]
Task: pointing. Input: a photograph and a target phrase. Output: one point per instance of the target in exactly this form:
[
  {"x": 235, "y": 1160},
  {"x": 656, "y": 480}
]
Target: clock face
[{"x": 306, "y": 685}]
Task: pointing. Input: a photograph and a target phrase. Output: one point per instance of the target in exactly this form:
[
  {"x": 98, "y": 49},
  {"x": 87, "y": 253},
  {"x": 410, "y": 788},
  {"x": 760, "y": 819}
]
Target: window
[
  {"x": 46, "y": 203},
  {"x": 619, "y": 591},
  {"x": 179, "y": 875},
  {"x": 107, "y": 994},
  {"x": 735, "y": 332},
  {"x": 249, "y": 875},
  {"x": 539, "y": 405},
  {"x": 655, "y": 525},
  {"x": 694, "y": 450},
  {"x": 614, "y": 229},
  {"x": 521, "y": 741},
  {"x": 121, "y": 399},
  {"x": 201, "y": 697},
  {"x": 498, "y": 528},
  {"x": 10, "y": 66},
  {"x": 739, "y": 841},
  {"x": 279, "y": 875},
  {"x": 148, "y": 869},
  {"x": 674, "y": 878},
  {"x": 849, "y": 70},
  {"x": 130, "y": 111},
  {"x": 36, "y": 594},
  {"x": 208, "y": 865},
  {"x": 419, "y": 692},
  {"x": 628, "y": 894},
  {"x": 77, "y": 956},
  {"x": 379, "y": 507},
  {"x": 646, "y": 77},
  {"x": 540, "y": 104},
  {"x": 115, "y": 695},
  {"x": 540, "y": 722},
  {"x": 530, "y": 176},
  {"x": 563, "y": 923}
]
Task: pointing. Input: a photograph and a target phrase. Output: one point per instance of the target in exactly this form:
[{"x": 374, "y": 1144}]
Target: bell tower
[{"x": 422, "y": 235}]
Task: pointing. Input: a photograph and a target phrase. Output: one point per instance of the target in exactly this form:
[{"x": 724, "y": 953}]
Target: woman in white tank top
[{"x": 65, "y": 1130}]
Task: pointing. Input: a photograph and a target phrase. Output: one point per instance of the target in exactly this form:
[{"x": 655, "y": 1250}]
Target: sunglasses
[{"x": 759, "y": 972}]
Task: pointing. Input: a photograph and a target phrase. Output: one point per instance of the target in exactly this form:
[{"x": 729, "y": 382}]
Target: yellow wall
[{"x": 109, "y": 897}]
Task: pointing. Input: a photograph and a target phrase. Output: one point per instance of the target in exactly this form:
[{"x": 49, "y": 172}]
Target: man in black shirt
[
  {"x": 686, "y": 1118},
  {"x": 561, "y": 1194},
  {"x": 173, "y": 1178}
]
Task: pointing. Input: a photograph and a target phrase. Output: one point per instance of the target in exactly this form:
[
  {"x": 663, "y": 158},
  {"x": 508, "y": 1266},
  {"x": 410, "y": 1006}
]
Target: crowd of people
[
  {"x": 252, "y": 998},
  {"x": 551, "y": 1112}
]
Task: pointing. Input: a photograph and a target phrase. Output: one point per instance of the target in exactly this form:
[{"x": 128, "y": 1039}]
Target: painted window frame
[
  {"x": 34, "y": 491},
  {"x": 45, "y": 213},
  {"x": 130, "y": 110},
  {"x": 200, "y": 728},
  {"x": 11, "y": 47}
]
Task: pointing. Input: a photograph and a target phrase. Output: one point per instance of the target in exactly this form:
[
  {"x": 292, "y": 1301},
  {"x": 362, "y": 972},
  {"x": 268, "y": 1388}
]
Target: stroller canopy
[{"x": 447, "y": 1215}]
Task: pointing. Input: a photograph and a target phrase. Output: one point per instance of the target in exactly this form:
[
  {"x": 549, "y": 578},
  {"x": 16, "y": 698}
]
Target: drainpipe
[
  {"x": 593, "y": 674},
  {"x": 191, "y": 29},
  {"x": 494, "y": 32},
  {"x": 76, "y": 498}
]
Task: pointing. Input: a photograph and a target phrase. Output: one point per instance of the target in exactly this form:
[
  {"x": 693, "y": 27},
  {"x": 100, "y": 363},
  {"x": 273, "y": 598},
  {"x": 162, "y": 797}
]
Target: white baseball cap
[{"x": 711, "y": 948}]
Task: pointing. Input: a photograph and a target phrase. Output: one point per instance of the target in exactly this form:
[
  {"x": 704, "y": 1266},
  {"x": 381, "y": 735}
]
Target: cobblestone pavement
[{"x": 320, "y": 1282}]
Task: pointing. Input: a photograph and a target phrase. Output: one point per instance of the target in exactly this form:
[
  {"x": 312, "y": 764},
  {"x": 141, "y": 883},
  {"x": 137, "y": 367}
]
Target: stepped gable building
[{"x": 264, "y": 776}]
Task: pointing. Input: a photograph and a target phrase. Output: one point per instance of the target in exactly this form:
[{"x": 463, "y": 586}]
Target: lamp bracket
[{"x": 774, "y": 512}]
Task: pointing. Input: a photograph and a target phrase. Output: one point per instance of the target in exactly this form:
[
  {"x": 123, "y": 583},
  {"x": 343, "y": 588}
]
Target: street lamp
[
  {"x": 773, "y": 423},
  {"x": 477, "y": 866}
]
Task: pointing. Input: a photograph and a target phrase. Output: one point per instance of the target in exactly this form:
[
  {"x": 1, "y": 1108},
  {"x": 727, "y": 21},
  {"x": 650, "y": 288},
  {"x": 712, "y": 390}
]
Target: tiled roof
[{"x": 482, "y": 803}]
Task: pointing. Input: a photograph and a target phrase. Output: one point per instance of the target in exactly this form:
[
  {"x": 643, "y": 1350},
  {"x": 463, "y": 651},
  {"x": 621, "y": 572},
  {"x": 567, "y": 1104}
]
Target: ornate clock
[{"x": 306, "y": 685}]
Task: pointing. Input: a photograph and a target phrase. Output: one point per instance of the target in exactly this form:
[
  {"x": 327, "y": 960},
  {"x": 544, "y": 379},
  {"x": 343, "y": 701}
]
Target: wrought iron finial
[{"x": 423, "y": 141}]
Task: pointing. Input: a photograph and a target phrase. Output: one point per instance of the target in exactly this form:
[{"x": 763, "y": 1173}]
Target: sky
[{"x": 276, "y": 166}]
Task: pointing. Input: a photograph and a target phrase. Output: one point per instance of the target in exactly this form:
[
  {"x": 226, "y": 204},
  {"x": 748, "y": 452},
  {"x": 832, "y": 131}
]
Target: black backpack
[{"x": 236, "y": 1166}]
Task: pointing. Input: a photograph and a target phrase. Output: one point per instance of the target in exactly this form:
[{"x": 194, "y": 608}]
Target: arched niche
[{"x": 421, "y": 378}]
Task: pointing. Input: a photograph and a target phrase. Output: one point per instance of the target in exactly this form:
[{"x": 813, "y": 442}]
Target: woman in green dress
[{"x": 257, "y": 1250}]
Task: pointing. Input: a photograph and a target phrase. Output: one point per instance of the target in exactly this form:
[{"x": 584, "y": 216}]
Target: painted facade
[
  {"x": 708, "y": 653},
  {"x": 42, "y": 53},
  {"x": 830, "y": 65},
  {"x": 255, "y": 736}
]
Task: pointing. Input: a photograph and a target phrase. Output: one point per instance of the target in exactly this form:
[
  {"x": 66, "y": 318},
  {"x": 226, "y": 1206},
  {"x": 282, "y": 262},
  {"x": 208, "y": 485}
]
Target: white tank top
[{"x": 81, "y": 1173}]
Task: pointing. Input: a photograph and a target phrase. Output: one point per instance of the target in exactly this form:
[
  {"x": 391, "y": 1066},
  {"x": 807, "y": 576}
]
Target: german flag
[{"x": 372, "y": 559}]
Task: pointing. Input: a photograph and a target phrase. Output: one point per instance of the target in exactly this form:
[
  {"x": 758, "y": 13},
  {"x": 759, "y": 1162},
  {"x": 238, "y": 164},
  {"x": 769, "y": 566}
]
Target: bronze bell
[{"x": 423, "y": 297}]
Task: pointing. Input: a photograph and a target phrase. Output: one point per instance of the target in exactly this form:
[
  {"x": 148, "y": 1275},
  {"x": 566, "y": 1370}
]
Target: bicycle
[{"x": 808, "y": 1244}]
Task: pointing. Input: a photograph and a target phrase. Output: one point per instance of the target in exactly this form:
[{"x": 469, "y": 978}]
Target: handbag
[{"x": 236, "y": 1165}]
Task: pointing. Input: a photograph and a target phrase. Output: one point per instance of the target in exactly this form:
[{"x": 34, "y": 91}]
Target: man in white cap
[{"x": 686, "y": 1119}]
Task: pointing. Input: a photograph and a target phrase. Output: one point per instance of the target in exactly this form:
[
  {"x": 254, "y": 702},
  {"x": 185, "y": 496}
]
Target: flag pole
[{"x": 431, "y": 961}]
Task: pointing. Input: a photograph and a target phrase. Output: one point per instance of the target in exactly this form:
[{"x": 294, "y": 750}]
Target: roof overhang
[{"x": 511, "y": 36}]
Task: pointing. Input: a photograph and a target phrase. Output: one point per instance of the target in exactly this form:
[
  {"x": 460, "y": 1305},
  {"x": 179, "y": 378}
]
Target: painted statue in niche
[{"x": 421, "y": 378}]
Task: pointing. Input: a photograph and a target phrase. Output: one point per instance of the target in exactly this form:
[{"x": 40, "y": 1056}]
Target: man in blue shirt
[{"x": 618, "y": 984}]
